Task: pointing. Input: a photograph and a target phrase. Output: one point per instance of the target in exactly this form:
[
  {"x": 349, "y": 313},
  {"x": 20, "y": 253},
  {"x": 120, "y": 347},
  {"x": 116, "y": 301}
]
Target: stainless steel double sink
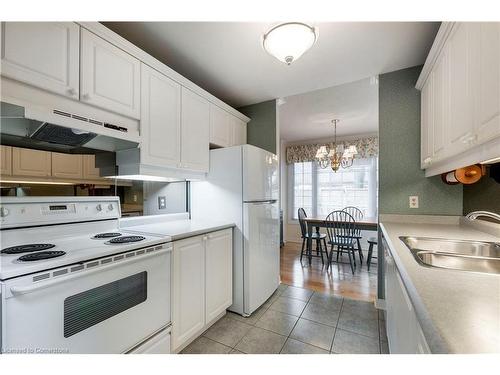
[{"x": 474, "y": 256}]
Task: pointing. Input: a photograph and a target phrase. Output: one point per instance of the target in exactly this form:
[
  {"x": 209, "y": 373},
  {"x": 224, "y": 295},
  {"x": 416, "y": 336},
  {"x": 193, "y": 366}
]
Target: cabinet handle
[
  {"x": 205, "y": 238},
  {"x": 427, "y": 160}
]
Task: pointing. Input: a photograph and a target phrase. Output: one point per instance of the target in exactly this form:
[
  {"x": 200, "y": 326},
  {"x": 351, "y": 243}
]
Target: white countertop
[
  {"x": 175, "y": 226},
  {"x": 459, "y": 311}
]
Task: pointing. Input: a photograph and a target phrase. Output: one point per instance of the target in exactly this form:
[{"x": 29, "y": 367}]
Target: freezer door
[
  {"x": 260, "y": 174},
  {"x": 261, "y": 253}
]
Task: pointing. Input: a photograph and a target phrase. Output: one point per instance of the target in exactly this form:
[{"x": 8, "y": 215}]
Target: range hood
[{"x": 56, "y": 130}]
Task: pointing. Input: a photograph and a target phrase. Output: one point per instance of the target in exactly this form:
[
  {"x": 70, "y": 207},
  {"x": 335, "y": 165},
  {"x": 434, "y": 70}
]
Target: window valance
[{"x": 367, "y": 148}]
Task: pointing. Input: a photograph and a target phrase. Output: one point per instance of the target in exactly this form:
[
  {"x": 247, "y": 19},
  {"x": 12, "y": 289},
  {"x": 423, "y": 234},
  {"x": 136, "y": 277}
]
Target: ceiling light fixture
[
  {"x": 288, "y": 41},
  {"x": 336, "y": 156}
]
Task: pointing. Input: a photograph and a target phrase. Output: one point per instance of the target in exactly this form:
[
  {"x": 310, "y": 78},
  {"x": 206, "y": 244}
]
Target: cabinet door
[
  {"x": 461, "y": 130},
  {"x": 219, "y": 275},
  {"x": 5, "y": 160},
  {"x": 89, "y": 169},
  {"x": 160, "y": 119},
  {"x": 220, "y": 127},
  {"x": 239, "y": 129},
  {"x": 110, "y": 77},
  {"x": 440, "y": 105},
  {"x": 426, "y": 119},
  {"x": 42, "y": 54},
  {"x": 188, "y": 290},
  {"x": 27, "y": 162},
  {"x": 488, "y": 97},
  {"x": 195, "y": 128},
  {"x": 67, "y": 165}
]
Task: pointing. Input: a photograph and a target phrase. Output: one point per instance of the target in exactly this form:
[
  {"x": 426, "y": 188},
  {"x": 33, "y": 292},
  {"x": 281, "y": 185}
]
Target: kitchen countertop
[
  {"x": 176, "y": 227},
  {"x": 459, "y": 311}
]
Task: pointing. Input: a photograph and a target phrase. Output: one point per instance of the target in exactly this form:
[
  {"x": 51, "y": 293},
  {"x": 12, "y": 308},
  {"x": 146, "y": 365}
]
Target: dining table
[{"x": 367, "y": 223}]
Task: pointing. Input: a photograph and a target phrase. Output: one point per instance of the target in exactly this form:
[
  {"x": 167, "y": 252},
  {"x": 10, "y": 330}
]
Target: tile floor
[{"x": 298, "y": 321}]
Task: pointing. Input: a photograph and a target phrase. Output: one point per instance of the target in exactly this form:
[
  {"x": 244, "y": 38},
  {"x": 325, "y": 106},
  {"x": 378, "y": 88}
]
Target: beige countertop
[
  {"x": 176, "y": 227},
  {"x": 459, "y": 311}
]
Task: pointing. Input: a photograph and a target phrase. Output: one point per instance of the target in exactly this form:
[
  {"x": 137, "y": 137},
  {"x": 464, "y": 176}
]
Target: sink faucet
[{"x": 475, "y": 214}]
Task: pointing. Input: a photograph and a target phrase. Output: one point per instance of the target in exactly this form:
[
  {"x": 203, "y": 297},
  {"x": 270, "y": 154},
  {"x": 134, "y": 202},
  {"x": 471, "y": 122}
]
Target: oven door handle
[{"x": 20, "y": 290}]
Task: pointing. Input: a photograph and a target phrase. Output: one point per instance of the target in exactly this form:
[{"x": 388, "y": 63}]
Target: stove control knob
[
  {"x": 3, "y": 211},
  {"x": 110, "y": 207},
  {"x": 99, "y": 207}
]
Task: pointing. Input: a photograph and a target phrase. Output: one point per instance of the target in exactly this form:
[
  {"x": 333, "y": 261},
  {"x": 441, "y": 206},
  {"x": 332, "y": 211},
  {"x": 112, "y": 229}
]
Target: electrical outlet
[
  {"x": 413, "y": 201},
  {"x": 162, "y": 202},
  {"x": 134, "y": 198}
]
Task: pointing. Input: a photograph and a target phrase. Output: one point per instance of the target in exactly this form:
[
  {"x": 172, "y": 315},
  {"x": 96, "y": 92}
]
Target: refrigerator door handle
[{"x": 265, "y": 201}]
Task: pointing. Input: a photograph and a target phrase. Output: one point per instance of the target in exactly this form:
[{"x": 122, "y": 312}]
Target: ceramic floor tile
[
  {"x": 227, "y": 331},
  {"x": 362, "y": 309},
  {"x": 261, "y": 341},
  {"x": 234, "y": 351},
  {"x": 297, "y": 293},
  {"x": 313, "y": 333},
  {"x": 277, "y": 322},
  {"x": 351, "y": 343},
  {"x": 203, "y": 345},
  {"x": 321, "y": 313},
  {"x": 330, "y": 300},
  {"x": 282, "y": 288},
  {"x": 288, "y": 305},
  {"x": 298, "y": 347},
  {"x": 353, "y": 323},
  {"x": 252, "y": 319}
]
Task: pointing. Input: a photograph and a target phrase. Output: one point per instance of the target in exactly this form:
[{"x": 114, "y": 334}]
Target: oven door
[{"x": 107, "y": 305}]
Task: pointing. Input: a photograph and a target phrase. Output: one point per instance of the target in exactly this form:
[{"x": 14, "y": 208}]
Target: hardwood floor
[{"x": 338, "y": 280}]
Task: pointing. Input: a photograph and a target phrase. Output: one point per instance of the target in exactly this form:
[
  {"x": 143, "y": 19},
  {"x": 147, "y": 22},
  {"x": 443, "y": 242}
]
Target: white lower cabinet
[
  {"x": 404, "y": 333},
  {"x": 201, "y": 284}
]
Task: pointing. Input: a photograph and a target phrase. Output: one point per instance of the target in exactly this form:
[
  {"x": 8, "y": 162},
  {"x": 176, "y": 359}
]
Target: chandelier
[{"x": 336, "y": 156}]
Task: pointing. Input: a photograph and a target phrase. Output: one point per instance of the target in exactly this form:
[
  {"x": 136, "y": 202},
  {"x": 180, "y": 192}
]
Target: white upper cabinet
[
  {"x": 220, "y": 127},
  {"x": 488, "y": 82},
  {"x": 195, "y": 131},
  {"x": 42, "y": 54},
  {"x": 160, "y": 119},
  {"x": 110, "y": 77},
  {"x": 239, "y": 132},
  {"x": 460, "y": 98}
]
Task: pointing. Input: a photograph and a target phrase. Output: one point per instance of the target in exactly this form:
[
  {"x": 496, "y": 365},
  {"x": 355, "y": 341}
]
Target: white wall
[{"x": 175, "y": 193}]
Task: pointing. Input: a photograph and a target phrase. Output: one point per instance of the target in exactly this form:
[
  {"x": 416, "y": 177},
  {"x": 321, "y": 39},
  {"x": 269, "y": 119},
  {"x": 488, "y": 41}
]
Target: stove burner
[
  {"x": 107, "y": 235},
  {"x": 41, "y": 256},
  {"x": 126, "y": 239},
  {"x": 27, "y": 248}
]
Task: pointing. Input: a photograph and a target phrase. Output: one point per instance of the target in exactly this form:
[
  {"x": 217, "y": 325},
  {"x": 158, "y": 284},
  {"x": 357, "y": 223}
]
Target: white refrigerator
[{"x": 242, "y": 187}]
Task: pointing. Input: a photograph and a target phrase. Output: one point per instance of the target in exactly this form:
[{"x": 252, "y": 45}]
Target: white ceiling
[
  {"x": 309, "y": 116},
  {"x": 226, "y": 58}
]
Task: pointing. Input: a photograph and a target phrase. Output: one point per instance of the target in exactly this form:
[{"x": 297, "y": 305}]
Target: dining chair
[
  {"x": 372, "y": 241},
  {"x": 341, "y": 229},
  {"x": 357, "y": 214},
  {"x": 319, "y": 237}
]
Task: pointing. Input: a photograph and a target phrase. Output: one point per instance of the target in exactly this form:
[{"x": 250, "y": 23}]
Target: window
[{"x": 321, "y": 191}]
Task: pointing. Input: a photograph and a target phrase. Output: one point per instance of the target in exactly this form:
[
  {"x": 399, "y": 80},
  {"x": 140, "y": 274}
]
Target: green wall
[
  {"x": 261, "y": 130},
  {"x": 399, "y": 160}
]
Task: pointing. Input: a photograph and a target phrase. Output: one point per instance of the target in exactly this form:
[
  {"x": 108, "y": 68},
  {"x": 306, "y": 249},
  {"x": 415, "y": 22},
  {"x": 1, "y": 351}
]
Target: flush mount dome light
[{"x": 288, "y": 41}]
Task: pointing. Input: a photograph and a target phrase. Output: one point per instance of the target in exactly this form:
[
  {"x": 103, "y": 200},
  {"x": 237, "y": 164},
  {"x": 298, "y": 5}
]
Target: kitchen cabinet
[
  {"x": 219, "y": 278},
  {"x": 109, "y": 77},
  {"x": 67, "y": 165},
  {"x": 403, "y": 329},
  {"x": 188, "y": 292},
  {"x": 33, "y": 163},
  {"x": 460, "y": 97},
  {"x": 201, "y": 284},
  {"x": 195, "y": 131},
  {"x": 239, "y": 129},
  {"x": 160, "y": 119},
  {"x": 89, "y": 169},
  {"x": 42, "y": 54},
  {"x": 220, "y": 127},
  {"x": 5, "y": 160}
]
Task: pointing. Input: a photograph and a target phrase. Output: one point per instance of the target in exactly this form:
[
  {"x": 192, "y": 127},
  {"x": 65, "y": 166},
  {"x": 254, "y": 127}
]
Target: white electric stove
[{"x": 72, "y": 281}]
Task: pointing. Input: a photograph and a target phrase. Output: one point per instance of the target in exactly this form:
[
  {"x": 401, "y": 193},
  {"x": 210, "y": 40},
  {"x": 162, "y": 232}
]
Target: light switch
[
  {"x": 413, "y": 201},
  {"x": 162, "y": 202}
]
